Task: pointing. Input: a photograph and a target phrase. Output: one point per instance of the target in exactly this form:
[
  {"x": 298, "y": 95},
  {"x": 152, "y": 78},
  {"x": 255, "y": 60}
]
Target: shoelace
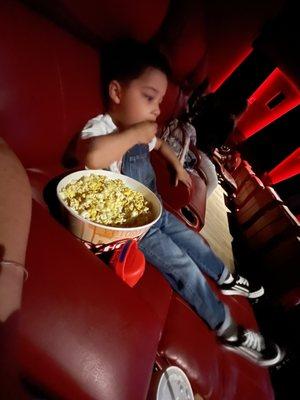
[
  {"x": 254, "y": 341},
  {"x": 243, "y": 281}
]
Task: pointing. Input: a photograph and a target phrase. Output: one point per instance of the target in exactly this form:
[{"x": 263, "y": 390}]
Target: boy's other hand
[
  {"x": 145, "y": 131},
  {"x": 183, "y": 176}
]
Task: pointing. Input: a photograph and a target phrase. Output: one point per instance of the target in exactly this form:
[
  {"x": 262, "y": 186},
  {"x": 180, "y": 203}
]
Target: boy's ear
[{"x": 114, "y": 91}]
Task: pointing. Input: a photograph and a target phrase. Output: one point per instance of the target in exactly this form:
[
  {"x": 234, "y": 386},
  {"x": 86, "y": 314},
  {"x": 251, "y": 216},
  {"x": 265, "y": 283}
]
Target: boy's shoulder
[
  {"x": 102, "y": 124},
  {"x": 104, "y": 119}
]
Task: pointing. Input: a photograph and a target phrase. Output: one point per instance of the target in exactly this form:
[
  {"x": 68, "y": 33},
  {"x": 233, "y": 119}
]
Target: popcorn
[{"x": 107, "y": 201}]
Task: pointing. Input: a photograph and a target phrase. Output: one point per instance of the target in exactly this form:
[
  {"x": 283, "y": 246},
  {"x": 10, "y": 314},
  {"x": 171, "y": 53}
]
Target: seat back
[
  {"x": 49, "y": 83},
  {"x": 247, "y": 190},
  {"x": 261, "y": 200},
  {"x": 242, "y": 172},
  {"x": 271, "y": 227}
]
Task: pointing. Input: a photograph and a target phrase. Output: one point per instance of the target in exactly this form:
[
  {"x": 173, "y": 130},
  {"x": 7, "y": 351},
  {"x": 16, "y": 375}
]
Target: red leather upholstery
[
  {"x": 278, "y": 222},
  {"x": 175, "y": 196},
  {"x": 215, "y": 373},
  {"x": 82, "y": 329},
  {"x": 241, "y": 173},
  {"x": 189, "y": 205},
  {"x": 43, "y": 106},
  {"x": 169, "y": 106},
  {"x": 110, "y": 20},
  {"x": 251, "y": 184},
  {"x": 183, "y": 39},
  {"x": 261, "y": 200},
  {"x": 153, "y": 282},
  {"x": 196, "y": 205}
]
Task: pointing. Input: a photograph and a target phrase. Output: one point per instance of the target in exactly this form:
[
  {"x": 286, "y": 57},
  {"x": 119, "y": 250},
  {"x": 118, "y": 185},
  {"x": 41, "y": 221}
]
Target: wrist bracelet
[{"x": 8, "y": 263}]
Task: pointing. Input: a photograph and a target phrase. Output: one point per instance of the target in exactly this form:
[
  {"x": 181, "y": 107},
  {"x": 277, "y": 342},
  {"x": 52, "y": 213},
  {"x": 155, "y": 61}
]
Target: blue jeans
[
  {"x": 183, "y": 258},
  {"x": 179, "y": 253}
]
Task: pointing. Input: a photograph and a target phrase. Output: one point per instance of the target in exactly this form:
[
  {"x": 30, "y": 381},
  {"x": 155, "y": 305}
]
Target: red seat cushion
[{"x": 84, "y": 333}]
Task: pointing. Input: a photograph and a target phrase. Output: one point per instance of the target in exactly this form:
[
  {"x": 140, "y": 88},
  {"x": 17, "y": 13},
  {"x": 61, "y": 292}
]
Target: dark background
[{"x": 277, "y": 45}]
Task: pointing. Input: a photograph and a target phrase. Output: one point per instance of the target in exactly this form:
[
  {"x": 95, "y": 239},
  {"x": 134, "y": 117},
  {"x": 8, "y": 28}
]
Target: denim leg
[
  {"x": 195, "y": 247},
  {"x": 183, "y": 274}
]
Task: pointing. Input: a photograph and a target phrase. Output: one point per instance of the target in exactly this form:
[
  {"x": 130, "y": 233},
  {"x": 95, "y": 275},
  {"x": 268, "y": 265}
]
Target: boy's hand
[
  {"x": 145, "y": 131},
  {"x": 183, "y": 176}
]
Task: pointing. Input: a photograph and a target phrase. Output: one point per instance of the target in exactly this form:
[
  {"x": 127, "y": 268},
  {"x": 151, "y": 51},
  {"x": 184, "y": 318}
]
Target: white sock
[
  {"x": 229, "y": 332},
  {"x": 229, "y": 278},
  {"x": 228, "y": 329}
]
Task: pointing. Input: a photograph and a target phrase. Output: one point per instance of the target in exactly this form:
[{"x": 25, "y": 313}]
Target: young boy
[{"x": 121, "y": 140}]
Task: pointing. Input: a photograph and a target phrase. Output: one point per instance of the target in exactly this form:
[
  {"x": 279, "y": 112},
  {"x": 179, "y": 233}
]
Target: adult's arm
[{"x": 15, "y": 215}]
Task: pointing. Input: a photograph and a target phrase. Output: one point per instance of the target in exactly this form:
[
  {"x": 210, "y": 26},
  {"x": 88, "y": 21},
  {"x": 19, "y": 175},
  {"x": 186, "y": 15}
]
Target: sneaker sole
[
  {"x": 253, "y": 295},
  {"x": 258, "y": 293},
  {"x": 262, "y": 363}
]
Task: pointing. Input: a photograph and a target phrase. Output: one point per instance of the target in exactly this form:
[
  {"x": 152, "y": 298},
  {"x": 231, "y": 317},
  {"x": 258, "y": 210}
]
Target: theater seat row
[{"x": 269, "y": 231}]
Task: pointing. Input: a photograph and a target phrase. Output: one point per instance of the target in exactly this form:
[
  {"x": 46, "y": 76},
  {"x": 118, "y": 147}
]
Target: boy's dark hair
[{"x": 126, "y": 59}]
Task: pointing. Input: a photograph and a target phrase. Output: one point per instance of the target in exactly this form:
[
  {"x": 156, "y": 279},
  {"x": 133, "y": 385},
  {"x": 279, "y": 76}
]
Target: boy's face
[{"x": 139, "y": 100}]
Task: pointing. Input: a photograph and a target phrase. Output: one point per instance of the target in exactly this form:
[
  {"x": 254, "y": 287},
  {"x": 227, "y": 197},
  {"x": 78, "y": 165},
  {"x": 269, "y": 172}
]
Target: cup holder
[{"x": 189, "y": 216}]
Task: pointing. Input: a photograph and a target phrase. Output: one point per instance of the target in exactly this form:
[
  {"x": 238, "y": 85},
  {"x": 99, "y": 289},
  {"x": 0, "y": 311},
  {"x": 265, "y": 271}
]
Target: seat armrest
[
  {"x": 80, "y": 324},
  {"x": 176, "y": 196}
]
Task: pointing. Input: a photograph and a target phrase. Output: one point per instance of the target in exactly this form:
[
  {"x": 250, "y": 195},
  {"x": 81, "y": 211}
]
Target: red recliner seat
[
  {"x": 248, "y": 189},
  {"x": 84, "y": 334},
  {"x": 262, "y": 200}
]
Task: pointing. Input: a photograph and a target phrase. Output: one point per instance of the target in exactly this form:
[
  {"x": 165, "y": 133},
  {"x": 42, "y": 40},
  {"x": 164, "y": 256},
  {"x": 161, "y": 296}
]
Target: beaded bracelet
[{"x": 8, "y": 263}]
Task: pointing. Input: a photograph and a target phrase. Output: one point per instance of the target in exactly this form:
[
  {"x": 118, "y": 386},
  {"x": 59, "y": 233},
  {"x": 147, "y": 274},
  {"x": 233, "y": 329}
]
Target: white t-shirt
[{"x": 104, "y": 125}]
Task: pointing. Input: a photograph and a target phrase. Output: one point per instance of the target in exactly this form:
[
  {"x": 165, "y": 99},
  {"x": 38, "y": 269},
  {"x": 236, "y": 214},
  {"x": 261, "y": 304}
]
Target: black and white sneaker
[
  {"x": 241, "y": 286},
  {"x": 253, "y": 346}
]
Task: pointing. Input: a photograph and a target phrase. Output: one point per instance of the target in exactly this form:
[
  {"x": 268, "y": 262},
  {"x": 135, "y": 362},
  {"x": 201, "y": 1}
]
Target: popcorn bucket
[{"x": 99, "y": 234}]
